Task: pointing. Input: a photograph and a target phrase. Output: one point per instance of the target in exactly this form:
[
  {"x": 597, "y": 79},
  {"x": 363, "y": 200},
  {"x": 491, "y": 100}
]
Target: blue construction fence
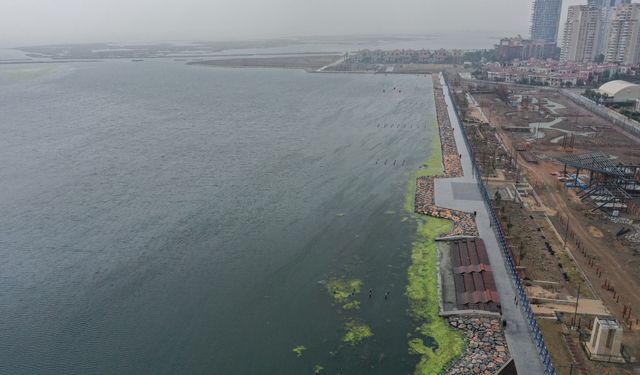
[{"x": 534, "y": 330}]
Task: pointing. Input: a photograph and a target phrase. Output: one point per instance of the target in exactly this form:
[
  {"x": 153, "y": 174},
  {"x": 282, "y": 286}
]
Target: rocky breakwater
[
  {"x": 486, "y": 349},
  {"x": 450, "y": 155},
  {"x": 463, "y": 223}
]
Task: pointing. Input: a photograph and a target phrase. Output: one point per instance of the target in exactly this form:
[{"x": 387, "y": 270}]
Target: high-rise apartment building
[
  {"x": 607, "y": 9},
  {"x": 607, "y": 3},
  {"x": 624, "y": 35},
  {"x": 581, "y": 34},
  {"x": 545, "y": 20}
]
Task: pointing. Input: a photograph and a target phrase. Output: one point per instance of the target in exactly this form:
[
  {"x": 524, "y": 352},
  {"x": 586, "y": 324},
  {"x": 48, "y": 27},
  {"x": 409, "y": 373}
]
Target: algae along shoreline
[{"x": 445, "y": 344}]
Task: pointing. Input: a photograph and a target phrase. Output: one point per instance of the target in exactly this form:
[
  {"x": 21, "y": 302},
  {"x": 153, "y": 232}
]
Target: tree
[
  {"x": 594, "y": 95},
  {"x": 503, "y": 93},
  {"x": 600, "y": 58},
  {"x": 478, "y": 74},
  {"x": 522, "y": 252}
]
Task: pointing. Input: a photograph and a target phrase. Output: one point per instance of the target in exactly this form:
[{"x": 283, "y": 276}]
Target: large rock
[{"x": 486, "y": 346}]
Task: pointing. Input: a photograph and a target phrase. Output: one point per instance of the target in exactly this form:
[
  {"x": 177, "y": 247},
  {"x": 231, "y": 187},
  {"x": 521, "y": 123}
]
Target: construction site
[{"x": 566, "y": 188}]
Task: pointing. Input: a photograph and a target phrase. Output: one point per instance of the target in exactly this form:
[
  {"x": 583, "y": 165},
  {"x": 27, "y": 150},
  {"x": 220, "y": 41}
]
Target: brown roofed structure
[{"x": 473, "y": 277}]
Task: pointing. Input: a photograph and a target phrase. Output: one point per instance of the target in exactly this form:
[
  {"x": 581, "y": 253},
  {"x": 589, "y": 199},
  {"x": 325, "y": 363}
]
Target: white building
[
  {"x": 621, "y": 91},
  {"x": 605, "y": 342},
  {"x": 581, "y": 41}
]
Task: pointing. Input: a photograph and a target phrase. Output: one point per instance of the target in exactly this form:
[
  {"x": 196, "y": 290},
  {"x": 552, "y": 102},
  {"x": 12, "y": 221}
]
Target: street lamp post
[{"x": 575, "y": 313}]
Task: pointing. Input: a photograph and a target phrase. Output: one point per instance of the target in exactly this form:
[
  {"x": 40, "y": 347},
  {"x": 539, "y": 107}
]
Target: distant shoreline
[
  {"x": 311, "y": 62},
  {"x": 52, "y": 59},
  {"x": 315, "y": 63},
  {"x": 21, "y": 62},
  {"x": 307, "y": 62}
]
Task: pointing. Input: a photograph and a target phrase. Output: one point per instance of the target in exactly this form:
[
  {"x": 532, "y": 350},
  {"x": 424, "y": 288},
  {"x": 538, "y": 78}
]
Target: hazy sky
[{"x": 58, "y": 21}]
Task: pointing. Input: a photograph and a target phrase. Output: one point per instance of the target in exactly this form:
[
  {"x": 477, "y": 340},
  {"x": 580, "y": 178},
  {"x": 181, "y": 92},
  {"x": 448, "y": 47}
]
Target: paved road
[{"x": 463, "y": 194}]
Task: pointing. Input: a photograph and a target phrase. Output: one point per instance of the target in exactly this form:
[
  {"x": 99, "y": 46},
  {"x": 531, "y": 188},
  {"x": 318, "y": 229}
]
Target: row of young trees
[{"x": 595, "y": 95}]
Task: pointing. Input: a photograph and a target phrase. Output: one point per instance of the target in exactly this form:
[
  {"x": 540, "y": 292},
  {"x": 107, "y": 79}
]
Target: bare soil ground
[
  {"x": 593, "y": 250},
  {"x": 592, "y": 133},
  {"x": 529, "y": 246},
  {"x": 561, "y": 357}
]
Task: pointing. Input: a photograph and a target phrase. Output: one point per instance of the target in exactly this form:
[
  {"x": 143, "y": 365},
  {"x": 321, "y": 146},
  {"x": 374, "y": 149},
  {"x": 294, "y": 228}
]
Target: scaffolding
[{"x": 611, "y": 186}]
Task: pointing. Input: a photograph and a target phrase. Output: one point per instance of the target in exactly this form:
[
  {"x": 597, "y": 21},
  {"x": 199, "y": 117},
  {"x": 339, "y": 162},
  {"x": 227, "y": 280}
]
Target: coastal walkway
[{"x": 463, "y": 193}]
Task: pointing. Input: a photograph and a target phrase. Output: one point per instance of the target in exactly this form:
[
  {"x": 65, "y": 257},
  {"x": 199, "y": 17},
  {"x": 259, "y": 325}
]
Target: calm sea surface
[{"x": 159, "y": 218}]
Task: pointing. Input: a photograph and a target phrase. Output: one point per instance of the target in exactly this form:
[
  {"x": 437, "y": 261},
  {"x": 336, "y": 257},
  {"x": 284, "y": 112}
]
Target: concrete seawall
[{"x": 520, "y": 342}]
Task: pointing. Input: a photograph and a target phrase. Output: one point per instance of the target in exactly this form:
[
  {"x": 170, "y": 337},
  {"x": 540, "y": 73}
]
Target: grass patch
[
  {"x": 575, "y": 276},
  {"x": 553, "y": 339},
  {"x": 356, "y": 332}
]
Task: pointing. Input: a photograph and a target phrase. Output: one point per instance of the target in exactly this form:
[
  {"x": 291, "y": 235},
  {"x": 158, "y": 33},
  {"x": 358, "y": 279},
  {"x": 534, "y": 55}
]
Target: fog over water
[{"x": 71, "y": 21}]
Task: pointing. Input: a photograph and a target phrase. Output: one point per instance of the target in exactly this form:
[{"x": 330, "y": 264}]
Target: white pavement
[{"x": 464, "y": 194}]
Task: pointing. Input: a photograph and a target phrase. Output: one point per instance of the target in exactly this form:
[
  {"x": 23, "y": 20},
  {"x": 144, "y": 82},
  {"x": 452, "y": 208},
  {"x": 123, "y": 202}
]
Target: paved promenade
[{"x": 462, "y": 193}]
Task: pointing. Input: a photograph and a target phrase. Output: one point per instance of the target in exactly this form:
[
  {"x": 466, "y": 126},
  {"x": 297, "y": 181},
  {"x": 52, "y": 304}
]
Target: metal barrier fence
[
  {"x": 534, "y": 330},
  {"x": 611, "y": 115}
]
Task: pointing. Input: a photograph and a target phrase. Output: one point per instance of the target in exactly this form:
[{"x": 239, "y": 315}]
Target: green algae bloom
[
  {"x": 342, "y": 290},
  {"x": 356, "y": 332},
  {"x": 317, "y": 369},
  {"x": 432, "y": 167},
  {"x": 299, "y": 350},
  {"x": 353, "y": 305},
  {"x": 422, "y": 289},
  {"x": 417, "y": 347}
]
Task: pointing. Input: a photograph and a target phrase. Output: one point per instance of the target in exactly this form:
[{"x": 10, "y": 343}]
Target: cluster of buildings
[
  {"x": 545, "y": 21},
  {"x": 601, "y": 42},
  {"x": 519, "y": 48},
  {"x": 405, "y": 56},
  {"x": 602, "y": 30},
  {"x": 554, "y": 73}
]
